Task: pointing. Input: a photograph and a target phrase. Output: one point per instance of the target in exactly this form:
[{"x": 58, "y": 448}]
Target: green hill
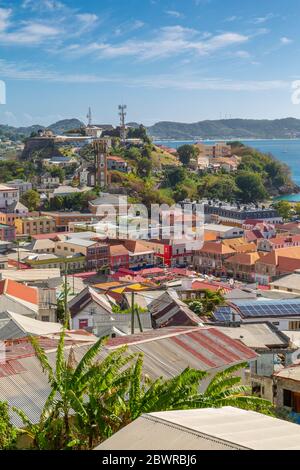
[{"x": 227, "y": 129}]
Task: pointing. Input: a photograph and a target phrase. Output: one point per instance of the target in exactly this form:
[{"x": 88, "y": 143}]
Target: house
[
  {"x": 7, "y": 233},
  {"x": 117, "y": 163},
  {"x": 211, "y": 258},
  {"x": 42, "y": 246},
  {"x": 241, "y": 266},
  {"x": 96, "y": 254},
  {"x": 15, "y": 326},
  {"x": 47, "y": 181},
  {"x": 283, "y": 314},
  {"x": 223, "y": 231},
  {"x": 63, "y": 219},
  {"x": 8, "y": 196},
  {"x": 118, "y": 257},
  {"x": 19, "y": 298},
  {"x": 106, "y": 202},
  {"x": 168, "y": 310},
  {"x": 274, "y": 350},
  {"x": 139, "y": 256},
  {"x": 71, "y": 263},
  {"x": 277, "y": 242},
  {"x": 205, "y": 429},
  {"x": 172, "y": 252},
  {"x": 277, "y": 263},
  {"x": 20, "y": 185},
  {"x": 35, "y": 225},
  {"x": 12, "y": 213},
  {"x": 93, "y": 311},
  {"x": 287, "y": 387},
  {"x": 289, "y": 283},
  {"x": 219, "y": 211},
  {"x": 216, "y": 150}
]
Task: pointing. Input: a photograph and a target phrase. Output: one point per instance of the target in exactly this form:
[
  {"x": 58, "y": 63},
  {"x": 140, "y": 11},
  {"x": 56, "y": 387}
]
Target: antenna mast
[
  {"x": 89, "y": 117},
  {"x": 122, "y": 114}
]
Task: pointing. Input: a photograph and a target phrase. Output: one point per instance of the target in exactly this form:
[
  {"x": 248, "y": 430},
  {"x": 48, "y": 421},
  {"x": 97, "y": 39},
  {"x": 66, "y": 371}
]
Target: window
[
  {"x": 83, "y": 323},
  {"x": 45, "y": 318},
  {"x": 287, "y": 398},
  {"x": 294, "y": 325}
]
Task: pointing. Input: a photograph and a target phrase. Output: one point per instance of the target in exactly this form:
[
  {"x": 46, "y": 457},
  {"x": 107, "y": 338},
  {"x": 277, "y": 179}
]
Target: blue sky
[{"x": 183, "y": 60}]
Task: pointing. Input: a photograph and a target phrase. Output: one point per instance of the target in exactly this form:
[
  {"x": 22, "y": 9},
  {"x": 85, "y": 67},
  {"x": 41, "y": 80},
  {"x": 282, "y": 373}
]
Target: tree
[
  {"x": 284, "y": 209},
  {"x": 180, "y": 193},
  {"x": 92, "y": 399},
  {"x": 221, "y": 187},
  {"x": 186, "y": 153},
  {"x": 8, "y": 433},
  {"x": 31, "y": 199},
  {"x": 208, "y": 302},
  {"x": 144, "y": 167},
  {"x": 297, "y": 208},
  {"x": 251, "y": 187},
  {"x": 174, "y": 175}
]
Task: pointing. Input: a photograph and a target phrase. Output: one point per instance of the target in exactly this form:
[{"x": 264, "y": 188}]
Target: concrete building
[
  {"x": 63, "y": 219},
  {"x": 289, "y": 283},
  {"x": 35, "y": 225},
  {"x": 8, "y": 195},
  {"x": 96, "y": 254},
  {"x": 7, "y": 233},
  {"x": 223, "y": 231},
  {"x": 20, "y": 185},
  {"x": 216, "y": 150},
  {"x": 219, "y": 211}
]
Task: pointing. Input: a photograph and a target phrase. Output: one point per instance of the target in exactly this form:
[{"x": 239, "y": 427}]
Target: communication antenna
[
  {"x": 89, "y": 117},
  {"x": 122, "y": 114}
]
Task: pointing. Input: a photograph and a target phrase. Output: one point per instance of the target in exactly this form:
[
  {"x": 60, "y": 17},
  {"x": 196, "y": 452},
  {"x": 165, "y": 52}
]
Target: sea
[{"x": 286, "y": 150}]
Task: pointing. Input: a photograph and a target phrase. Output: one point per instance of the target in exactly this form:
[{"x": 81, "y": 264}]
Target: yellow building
[{"x": 35, "y": 225}]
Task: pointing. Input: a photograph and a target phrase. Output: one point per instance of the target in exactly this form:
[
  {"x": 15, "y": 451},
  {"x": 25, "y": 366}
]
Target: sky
[{"x": 168, "y": 60}]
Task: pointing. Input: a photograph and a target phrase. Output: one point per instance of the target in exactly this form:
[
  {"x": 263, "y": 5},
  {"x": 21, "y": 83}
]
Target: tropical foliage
[
  {"x": 95, "y": 396},
  {"x": 207, "y": 303}
]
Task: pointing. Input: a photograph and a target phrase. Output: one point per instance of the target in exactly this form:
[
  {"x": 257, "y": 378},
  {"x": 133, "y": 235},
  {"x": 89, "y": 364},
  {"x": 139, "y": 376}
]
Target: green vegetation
[
  {"x": 76, "y": 202},
  {"x": 284, "y": 209},
  {"x": 31, "y": 199},
  {"x": 186, "y": 153},
  {"x": 8, "y": 433},
  {"x": 226, "y": 128},
  {"x": 12, "y": 169},
  {"x": 207, "y": 304},
  {"x": 92, "y": 399}
]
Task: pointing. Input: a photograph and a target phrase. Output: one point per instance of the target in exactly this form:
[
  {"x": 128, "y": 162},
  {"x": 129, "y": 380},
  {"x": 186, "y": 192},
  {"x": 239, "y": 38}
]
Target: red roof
[
  {"x": 19, "y": 291},
  {"x": 209, "y": 347},
  {"x": 209, "y": 286},
  {"x": 51, "y": 236}
]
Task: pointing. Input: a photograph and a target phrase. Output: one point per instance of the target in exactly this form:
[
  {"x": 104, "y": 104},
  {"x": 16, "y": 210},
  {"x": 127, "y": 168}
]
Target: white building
[
  {"x": 22, "y": 186},
  {"x": 8, "y": 196}
]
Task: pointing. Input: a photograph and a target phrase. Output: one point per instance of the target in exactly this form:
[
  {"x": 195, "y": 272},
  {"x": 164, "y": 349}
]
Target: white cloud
[
  {"x": 243, "y": 54},
  {"x": 174, "y": 13},
  {"x": 42, "y": 5},
  {"x": 263, "y": 19},
  {"x": 5, "y": 14},
  {"x": 168, "y": 41},
  {"x": 32, "y": 33},
  {"x": 284, "y": 40},
  {"x": 11, "y": 70}
]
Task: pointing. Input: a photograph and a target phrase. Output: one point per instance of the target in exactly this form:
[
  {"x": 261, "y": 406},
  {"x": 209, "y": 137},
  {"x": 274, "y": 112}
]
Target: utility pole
[
  {"x": 122, "y": 114},
  {"x": 132, "y": 312},
  {"x": 67, "y": 319},
  {"x": 89, "y": 117}
]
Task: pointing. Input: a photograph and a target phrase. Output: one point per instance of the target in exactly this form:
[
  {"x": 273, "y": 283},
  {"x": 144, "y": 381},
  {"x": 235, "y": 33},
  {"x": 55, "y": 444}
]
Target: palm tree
[{"x": 93, "y": 399}]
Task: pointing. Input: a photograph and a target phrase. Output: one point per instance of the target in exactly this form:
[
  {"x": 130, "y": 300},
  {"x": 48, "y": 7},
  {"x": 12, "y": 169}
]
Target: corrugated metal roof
[
  {"x": 167, "y": 352},
  {"x": 224, "y": 428}
]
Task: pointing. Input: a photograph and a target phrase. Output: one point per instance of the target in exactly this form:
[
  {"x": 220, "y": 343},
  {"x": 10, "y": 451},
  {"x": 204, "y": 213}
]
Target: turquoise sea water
[{"x": 288, "y": 151}]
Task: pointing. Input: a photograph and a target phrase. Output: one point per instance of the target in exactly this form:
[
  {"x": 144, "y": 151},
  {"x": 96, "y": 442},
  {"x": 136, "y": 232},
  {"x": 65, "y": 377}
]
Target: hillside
[
  {"x": 19, "y": 133},
  {"x": 227, "y": 129}
]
